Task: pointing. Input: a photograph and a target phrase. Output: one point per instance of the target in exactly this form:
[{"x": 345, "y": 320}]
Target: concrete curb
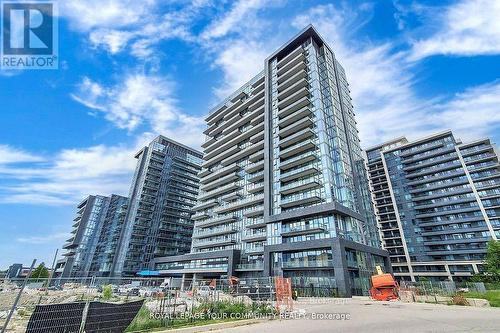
[{"x": 213, "y": 327}]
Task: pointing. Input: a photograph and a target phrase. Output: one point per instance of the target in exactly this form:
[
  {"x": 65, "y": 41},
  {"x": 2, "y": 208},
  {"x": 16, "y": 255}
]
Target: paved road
[{"x": 373, "y": 317}]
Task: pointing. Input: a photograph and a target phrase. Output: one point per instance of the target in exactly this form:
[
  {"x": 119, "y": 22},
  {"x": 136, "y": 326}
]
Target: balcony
[
  {"x": 220, "y": 157},
  {"x": 301, "y": 103},
  {"x": 253, "y": 167},
  {"x": 297, "y": 148},
  {"x": 259, "y": 136},
  {"x": 300, "y": 200},
  {"x": 206, "y": 205},
  {"x": 291, "y": 64},
  {"x": 240, "y": 204},
  {"x": 302, "y": 230},
  {"x": 215, "y": 242},
  {"x": 256, "y": 177},
  {"x": 217, "y": 220},
  {"x": 255, "y": 249},
  {"x": 218, "y": 174},
  {"x": 298, "y": 160},
  {"x": 295, "y": 97},
  {"x": 199, "y": 216},
  {"x": 258, "y": 266},
  {"x": 298, "y": 173},
  {"x": 296, "y": 127},
  {"x": 300, "y": 186},
  {"x": 218, "y": 191},
  {"x": 231, "y": 196},
  {"x": 307, "y": 264},
  {"x": 297, "y": 137},
  {"x": 429, "y": 154},
  {"x": 293, "y": 89},
  {"x": 245, "y": 152},
  {"x": 256, "y": 157},
  {"x": 255, "y": 223},
  {"x": 253, "y": 212},
  {"x": 256, "y": 187},
  {"x": 302, "y": 74},
  {"x": 287, "y": 122},
  {"x": 221, "y": 139},
  {"x": 236, "y": 136},
  {"x": 291, "y": 72},
  {"x": 220, "y": 181},
  {"x": 422, "y": 148},
  {"x": 290, "y": 58},
  {"x": 431, "y": 162},
  {"x": 254, "y": 236},
  {"x": 214, "y": 232}
]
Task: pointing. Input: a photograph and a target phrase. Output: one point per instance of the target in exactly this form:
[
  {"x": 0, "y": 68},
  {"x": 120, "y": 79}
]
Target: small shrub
[{"x": 107, "y": 292}]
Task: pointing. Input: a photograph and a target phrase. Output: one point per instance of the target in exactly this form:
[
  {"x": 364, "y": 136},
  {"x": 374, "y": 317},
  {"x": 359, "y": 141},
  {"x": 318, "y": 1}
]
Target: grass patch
[
  {"x": 204, "y": 314},
  {"x": 493, "y": 296}
]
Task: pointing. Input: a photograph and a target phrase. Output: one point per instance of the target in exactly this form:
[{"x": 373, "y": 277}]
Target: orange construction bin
[{"x": 383, "y": 281}]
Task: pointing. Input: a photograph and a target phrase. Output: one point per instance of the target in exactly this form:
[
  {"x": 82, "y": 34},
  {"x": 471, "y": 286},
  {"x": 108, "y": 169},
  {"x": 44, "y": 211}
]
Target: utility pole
[
  {"x": 18, "y": 297},
  {"x": 51, "y": 274}
]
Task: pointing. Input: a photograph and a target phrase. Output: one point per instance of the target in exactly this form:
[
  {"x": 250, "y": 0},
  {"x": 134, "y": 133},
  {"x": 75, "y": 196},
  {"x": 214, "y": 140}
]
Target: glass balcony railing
[
  {"x": 307, "y": 263},
  {"x": 257, "y": 265},
  {"x": 255, "y": 249}
]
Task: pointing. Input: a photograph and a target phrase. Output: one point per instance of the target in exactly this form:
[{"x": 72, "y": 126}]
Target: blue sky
[{"x": 132, "y": 69}]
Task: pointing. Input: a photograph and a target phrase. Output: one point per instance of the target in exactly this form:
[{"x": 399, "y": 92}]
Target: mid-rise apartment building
[
  {"x": 283, "y": 185},
  {"x": 163, "y": 192},
  {"x": 91, "y": 246},
  {"x": 109, "y": 237},
  {"x": 437, "y": 202}
]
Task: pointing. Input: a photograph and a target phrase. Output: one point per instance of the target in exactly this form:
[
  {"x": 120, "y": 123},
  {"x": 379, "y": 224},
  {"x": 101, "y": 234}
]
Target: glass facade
[
  {"x": 283, "y": 168},
  {"x": 109, "y": 237},
  {"x": 93, "y": 243},
  {"x": 163, "y": 192}
]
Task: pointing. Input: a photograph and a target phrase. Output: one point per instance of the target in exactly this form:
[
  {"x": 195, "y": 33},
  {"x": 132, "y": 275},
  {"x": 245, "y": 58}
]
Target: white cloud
[
  {"x": 241, "y": 11},
  {"x": 473, "y": 113},
  {"x": 113, "y": 41},
  {"x": 133, "y": 26},
  {"x": 71, "y": 174},
  {"x": 383, "y": 86},
  {"x": 239, "y": 62},
  {"x": 237, "y": 43},
  {"x": 380, "y": 80},
  {"x": 47, "y": 239},
  {"x": 9, "y": 155},
  {"x": 142, "y": 100},
  {"x": 89, "y": 14},
  {"x": 465, "y": 28}
]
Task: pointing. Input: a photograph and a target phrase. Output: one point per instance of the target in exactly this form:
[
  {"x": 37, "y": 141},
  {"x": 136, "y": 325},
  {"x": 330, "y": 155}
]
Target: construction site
[{"x": 148, "y": 304}]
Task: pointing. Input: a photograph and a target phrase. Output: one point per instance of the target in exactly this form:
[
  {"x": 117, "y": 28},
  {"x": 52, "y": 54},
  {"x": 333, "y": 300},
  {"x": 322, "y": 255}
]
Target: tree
[
  {"x": 41, "y": 272},
  {"x": 491, "y": 264},
  {"x": 492, "y": 261},
  {"x": 107, "y": 292}
]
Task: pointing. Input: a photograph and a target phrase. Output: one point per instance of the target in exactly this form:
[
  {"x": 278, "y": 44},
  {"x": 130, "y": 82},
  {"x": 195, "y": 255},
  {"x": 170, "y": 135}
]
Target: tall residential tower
[
  {"x": 437, "y": 202},
  {"x": 283, "y": 188},
  {"x": 163, "y": 192},
  {"x": 92, "y": 246}
]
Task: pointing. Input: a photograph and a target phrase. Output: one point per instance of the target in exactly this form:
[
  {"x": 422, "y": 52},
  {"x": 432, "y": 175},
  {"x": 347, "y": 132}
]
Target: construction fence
[
  {"x": 104, "y": 305},
  {"x": 444, "y": 292}
]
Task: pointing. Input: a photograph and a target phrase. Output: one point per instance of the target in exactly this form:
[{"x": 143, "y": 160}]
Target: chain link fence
[
  {"x": 444, "y": 292},
  {"x": 97, "y": 304}
]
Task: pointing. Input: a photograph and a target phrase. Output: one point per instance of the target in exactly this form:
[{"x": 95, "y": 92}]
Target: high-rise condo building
[
  {"x": 92, "y": 244},
  {"x": 163, "y": 193},
  {"x": 437, "y": 202},
  {"x": 283, "y": 188},
  {"x": 109, "y": 236}
]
